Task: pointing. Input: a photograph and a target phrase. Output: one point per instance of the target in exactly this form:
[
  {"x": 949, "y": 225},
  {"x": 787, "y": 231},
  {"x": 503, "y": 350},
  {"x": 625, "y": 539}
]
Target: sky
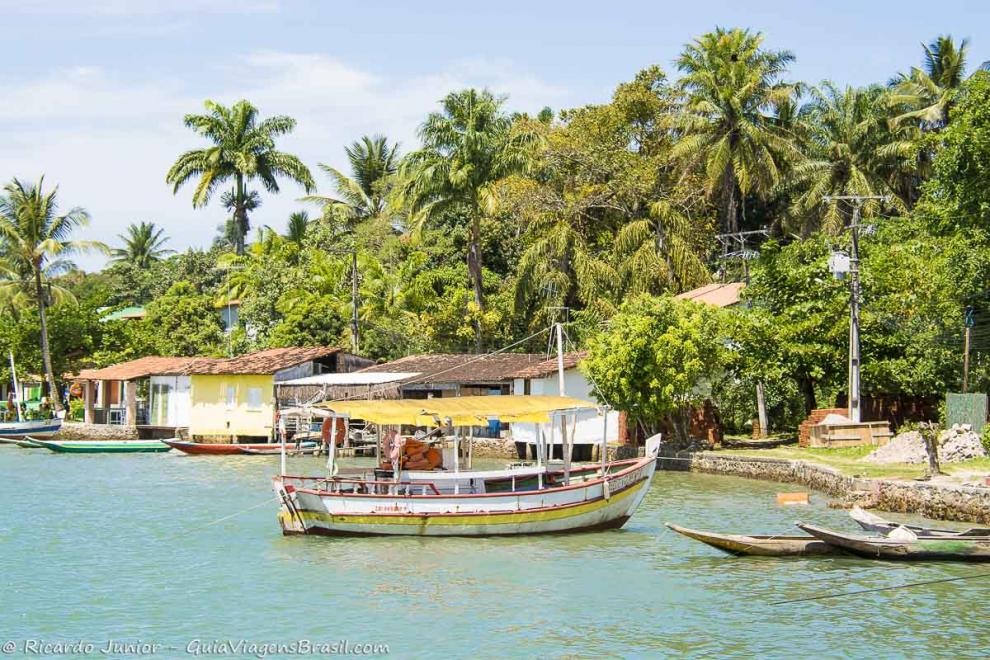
[{"x": 94, "y": 91}]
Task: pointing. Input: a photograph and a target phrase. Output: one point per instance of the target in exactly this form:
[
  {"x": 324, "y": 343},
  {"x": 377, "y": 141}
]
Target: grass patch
[{"x": 844, "y": 459}]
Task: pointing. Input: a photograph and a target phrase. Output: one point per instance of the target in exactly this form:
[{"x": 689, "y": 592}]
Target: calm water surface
[{"x": 127, "y": 547}]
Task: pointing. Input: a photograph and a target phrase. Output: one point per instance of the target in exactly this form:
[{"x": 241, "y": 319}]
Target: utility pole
[
  {"x": 970, "y": 322},
  {"x": 855, "y": 412},
  {"x": 729, "y": 241},
  {"x": 355, "y": 327}
]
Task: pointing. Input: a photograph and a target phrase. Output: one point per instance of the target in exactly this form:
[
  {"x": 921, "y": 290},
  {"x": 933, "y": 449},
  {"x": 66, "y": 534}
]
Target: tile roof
[
  {"x": 263, "y": 362},
  {"x": 260, "y": 362},
  {"x": 152, "y": 365},
  {"x": 462, "y": 369},
  {"x": 549, "y": 367},
  {"x": 720, "y": 295}
]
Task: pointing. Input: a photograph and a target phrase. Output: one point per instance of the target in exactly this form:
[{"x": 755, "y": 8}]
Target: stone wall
[
  {"x": 930, "y": 500},
  {"x": 81, "y": 431}
]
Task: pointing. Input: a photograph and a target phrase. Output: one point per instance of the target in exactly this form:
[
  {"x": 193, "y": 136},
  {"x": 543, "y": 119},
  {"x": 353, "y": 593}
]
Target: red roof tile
[
  {"x": 720, "y": 295},
  {"x": 549, "y": 367},
  {"x": 260, "y": 362},
  {"x": 462, "y": 369}
]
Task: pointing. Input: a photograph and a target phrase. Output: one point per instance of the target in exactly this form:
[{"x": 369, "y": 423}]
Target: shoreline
[{"x": 931, "y": 500}]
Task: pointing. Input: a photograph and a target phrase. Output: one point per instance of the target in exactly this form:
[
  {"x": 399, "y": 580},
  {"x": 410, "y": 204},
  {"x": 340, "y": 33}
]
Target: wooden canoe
[
  {"x": 874, "y": 523},
  {"x": 103, "y": 446},
  {"x": 232, "y": 449},
  {"x": 949, "y": 548},
  {"x": 761, "y": 546}
]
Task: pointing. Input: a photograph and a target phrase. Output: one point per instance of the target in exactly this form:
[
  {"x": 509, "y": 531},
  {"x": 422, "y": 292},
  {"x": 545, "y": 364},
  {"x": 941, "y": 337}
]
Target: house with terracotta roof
[
  {"x": 543, "y": 378},
  {"x": 217, "y": 398},
  {"x": 719, "y": 294}
]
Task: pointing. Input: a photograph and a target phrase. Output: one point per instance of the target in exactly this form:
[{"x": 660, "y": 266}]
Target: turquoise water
[{"x": 94, "y": 547}]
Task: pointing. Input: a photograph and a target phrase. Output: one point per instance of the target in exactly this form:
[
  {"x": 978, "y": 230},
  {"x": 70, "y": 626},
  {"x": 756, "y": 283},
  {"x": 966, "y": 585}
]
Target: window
[
  {"x": 160, "y": 393},
  {"x": 231, "y": 397},
  {"x": 254, "y": 398}
]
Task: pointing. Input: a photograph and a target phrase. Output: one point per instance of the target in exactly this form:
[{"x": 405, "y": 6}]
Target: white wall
[
  {"x": 589, "y": 425},
  {"x": 178, "y": 406}
]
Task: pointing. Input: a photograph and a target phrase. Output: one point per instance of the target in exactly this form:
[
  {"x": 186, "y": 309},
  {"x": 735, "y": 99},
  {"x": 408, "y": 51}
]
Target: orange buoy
[{"x": 792, "y": 498}]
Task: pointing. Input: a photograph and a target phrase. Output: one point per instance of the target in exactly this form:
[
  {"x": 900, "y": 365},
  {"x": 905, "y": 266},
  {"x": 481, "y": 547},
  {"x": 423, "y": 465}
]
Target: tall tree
[
  {"x": 731, "y": 88},
  {"x": 38, "y": 247},
  {"x": 850, "y": 150},
  {"x": 363, "y": 194},
  {"x": 467, "y": 148},
  {"x": 142, "y": 246},
  {"x": 929, "y": 91},
  {"x": 243, "y": 149}
]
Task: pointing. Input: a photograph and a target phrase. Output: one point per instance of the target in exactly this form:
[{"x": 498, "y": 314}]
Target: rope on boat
[
  {"x": 233, "y": 515},
  {"x": 890, "y": 588}
]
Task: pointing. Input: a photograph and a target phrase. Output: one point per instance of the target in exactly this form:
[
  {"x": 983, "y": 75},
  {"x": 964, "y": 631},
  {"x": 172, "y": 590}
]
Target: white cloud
[{"x": 108, "y": 141}]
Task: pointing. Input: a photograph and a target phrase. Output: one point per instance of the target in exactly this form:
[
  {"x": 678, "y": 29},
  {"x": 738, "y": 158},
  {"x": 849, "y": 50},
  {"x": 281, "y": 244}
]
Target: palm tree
[
  {"x": 731, "y": 87},
  {"x": 243, "y": 150},
  {"x": 364, "y": 194},
  {"x": 850, "y": 151},
  {"x": 298, "y": 226},
  {"x": 657, "y": 253},
  {"x": 143, "y": 245},
  {"x": 929, "y": 91},
  {"x": 467, "y": 149},
  {"x": 37, "y": 249}
]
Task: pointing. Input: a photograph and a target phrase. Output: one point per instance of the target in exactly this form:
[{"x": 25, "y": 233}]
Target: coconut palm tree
[
  {"x": 364, "y": 194},
  {"x": 850, "y": 151},
  {"x": 929, "y": 91},
  {"x": 243, "y": 149},
  {"x": 467, "y": 148},
  {"x": 38, "y": 248},
  {"x": 142, "y": 246},
  {"x": 298, "y": 226},
  {"x": 731, "y": 87}
]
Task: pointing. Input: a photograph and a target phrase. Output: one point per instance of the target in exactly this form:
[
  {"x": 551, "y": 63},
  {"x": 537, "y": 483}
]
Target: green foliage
[
  {"x": 958, "y": 197},
  {"x": 657, "y": 358},
  {"x": 183, "y": 322},
  {"x": 143, "y": 245}
]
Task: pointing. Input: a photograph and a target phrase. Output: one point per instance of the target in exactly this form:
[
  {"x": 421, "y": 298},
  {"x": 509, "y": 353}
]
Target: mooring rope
[
  {"x": 906, "y": 585},
  {"x": 199, "y": 528}
]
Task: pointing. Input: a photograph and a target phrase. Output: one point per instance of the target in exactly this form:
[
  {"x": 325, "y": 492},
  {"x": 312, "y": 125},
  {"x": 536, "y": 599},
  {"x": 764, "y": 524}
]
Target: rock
[{"x": 954, "y": 445}]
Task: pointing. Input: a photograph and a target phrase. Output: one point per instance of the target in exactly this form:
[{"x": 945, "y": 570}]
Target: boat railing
[{"x": 367, "y": 486}]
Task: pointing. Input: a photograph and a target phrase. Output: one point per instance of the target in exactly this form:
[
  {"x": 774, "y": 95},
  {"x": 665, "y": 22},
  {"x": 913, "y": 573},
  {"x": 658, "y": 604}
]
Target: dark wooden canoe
[
  {"x": 762, "y": 546},
  {"x": 232, "y": 449},
  {"x": 947, "y": 548},
  {"x": 874, "y": 523}
]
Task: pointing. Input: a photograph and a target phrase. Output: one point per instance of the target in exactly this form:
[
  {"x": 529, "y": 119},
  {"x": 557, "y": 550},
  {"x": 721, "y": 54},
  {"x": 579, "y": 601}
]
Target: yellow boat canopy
[{"x": 462, "y": 411}]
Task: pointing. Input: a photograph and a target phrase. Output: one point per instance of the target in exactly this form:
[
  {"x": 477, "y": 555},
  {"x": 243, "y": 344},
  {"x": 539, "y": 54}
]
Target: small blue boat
[{"x": 36, "y": 428}]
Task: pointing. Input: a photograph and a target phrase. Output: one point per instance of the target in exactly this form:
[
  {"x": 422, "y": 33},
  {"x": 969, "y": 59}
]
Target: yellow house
[
  {"x": 234, "y": 398},
  {"x": 231, "y": 405}
]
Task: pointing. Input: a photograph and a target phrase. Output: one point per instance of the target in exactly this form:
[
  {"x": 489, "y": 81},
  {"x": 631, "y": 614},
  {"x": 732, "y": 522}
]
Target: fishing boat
[
  {"x": 904, "y": 545},
  {"x": 874, "y": 523},
  {"x": 21, "y": 428},
  {"x": 233, "y": 449},
  {"x": 102, "y": 446},
  {"x": 36, "y": 428},
  {"x": 449, "y": 501},
  {"x": 760, "y": 546}
]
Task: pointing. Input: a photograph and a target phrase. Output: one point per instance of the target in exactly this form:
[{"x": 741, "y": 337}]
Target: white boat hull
[
  {"x": 37, "y": 428},
  {"x": 583, "y": 506}
]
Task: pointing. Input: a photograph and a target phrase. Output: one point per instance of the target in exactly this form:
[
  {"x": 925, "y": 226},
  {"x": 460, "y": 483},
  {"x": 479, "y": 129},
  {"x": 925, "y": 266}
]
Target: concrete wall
[
  {"x": 177, "y": 408},
  {"x": 211, "y": 415},
  {"x": 930, "y": 500}
]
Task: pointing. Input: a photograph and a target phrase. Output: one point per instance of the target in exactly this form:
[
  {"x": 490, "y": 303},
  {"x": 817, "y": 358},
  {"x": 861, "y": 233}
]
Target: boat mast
[{"x": 17, "y": 387}]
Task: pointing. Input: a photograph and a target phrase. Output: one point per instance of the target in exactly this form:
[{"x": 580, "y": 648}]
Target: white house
[{"x": 543, "y": 378}]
